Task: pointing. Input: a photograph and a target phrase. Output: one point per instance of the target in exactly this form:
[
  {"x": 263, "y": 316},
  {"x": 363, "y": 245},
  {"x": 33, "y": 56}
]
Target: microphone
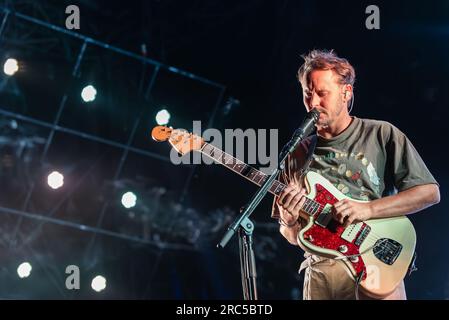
[{"x": 304, "y": 129}]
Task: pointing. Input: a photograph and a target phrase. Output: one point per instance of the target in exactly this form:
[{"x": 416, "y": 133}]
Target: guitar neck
[
  {"x": 241, "y": 168},
  {"x": 252, "y": 174}
]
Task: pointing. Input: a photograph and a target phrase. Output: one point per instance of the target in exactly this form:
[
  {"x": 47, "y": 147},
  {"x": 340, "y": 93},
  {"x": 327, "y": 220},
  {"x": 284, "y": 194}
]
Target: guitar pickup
[
  {"x": 324, "y": 217},
  {"x": 351, "y": 231}
]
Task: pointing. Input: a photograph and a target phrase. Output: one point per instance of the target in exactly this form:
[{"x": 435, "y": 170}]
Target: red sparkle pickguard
[{"x": 330, "y": 237}]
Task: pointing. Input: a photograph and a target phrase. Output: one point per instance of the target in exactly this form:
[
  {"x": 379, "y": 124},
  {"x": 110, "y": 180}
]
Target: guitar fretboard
[{"x": 310, "y": 206}]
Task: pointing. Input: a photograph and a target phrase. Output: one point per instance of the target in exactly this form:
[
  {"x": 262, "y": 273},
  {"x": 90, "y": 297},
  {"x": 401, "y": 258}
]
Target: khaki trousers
[{"x": 329, "y": 279}]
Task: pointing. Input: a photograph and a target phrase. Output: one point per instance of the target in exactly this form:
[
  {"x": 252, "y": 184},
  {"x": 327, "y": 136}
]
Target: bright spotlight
[
  {"x": 162, "y": 117},
  {"x": 10, "y": 67},
  {"x": 89, "y": 93},
  {"x": 129, "y": 200},
  {"x": 24, "y": 270},
  {"x": 55, "y": 180},
  {"x": 98, "y": 283}
]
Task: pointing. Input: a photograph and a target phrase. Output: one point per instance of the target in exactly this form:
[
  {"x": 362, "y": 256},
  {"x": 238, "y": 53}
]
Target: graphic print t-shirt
[{"x": 370, "y": 159}]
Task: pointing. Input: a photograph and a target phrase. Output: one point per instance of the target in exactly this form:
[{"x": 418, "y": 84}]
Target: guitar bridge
[{"x": 363, "y": 234}]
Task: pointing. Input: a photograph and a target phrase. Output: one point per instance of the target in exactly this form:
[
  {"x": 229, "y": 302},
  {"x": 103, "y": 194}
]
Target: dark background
[{"x": 164, "y": 248}]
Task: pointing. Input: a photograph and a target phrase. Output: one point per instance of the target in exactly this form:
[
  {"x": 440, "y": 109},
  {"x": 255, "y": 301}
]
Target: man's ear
[{"x": 347, "y": 92}]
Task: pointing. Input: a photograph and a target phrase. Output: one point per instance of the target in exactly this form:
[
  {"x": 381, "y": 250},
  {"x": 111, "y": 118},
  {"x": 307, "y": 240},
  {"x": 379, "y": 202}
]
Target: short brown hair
[{"x": 326, "y": 60}]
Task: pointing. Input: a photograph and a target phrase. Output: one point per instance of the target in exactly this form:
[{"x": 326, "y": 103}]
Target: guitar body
[{"x": 386, "y": 246}]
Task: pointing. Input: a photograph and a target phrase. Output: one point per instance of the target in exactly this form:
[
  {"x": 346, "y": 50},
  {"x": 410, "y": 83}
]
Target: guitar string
[
  {"x": 371, "y": 232},
  {"x": 372, "y": 240},
  {"x": 372, "y": 235},
  {"x": 222, "y": 159}
]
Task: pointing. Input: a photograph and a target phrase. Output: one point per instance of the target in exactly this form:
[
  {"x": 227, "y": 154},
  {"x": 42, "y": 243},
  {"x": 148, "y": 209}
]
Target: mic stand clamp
[{"x": 247, "y": 260}]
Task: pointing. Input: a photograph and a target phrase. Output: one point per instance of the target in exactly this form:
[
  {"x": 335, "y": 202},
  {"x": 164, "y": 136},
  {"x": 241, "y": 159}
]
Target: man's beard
[
  {"x": 323, "y": 124},
  {"x": 326, "y": 122}
]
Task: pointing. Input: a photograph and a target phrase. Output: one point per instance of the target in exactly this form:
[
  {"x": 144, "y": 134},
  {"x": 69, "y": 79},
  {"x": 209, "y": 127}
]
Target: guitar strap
[{"x": 309, "y": 155}]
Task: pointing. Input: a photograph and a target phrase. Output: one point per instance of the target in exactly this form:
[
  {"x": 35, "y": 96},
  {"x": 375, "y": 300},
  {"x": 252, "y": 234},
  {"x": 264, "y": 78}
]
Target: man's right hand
[{"x": 291, "y": 201}]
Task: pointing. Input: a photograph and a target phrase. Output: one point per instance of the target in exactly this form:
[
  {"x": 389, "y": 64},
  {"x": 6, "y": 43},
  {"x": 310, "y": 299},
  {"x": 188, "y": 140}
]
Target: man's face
[{"x": 324, "y": 93}]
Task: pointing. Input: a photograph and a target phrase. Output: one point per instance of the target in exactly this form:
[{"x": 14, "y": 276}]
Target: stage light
[
  {"x": 55, "y": 180},
  {"x": 98, "y": 283},
  {"x": 89, "y": 93},
  {"x": 10, "y": 67},
  {"x": 24, "y": 270},
  {"x": 162, "y": 117},
  {"x": 129, "y": 200},
  {"x": 13, "y": 124}
]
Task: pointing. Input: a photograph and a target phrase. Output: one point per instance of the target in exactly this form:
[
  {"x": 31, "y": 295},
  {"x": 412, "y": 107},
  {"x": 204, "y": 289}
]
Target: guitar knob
[
  {"x": 354, "y": 259},
  {"x": 343, "y": 249}
]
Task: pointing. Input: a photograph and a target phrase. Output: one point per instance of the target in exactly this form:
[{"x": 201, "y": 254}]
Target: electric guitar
[{"x": 377, "y": 252}]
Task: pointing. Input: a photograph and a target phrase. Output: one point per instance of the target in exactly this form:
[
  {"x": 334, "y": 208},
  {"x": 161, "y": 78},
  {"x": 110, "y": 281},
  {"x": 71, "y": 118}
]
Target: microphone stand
[{"x": 246, "y": 226}]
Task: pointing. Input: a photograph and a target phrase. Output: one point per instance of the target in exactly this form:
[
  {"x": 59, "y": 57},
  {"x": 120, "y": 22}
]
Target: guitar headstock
[{"x": 181, "y": 140}]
